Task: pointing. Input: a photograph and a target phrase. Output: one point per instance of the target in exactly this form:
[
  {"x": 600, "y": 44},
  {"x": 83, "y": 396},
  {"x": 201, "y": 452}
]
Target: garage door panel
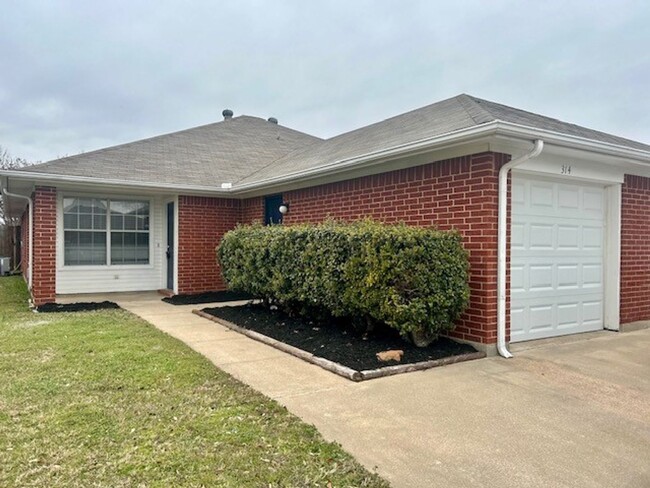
[
  {"x": 568, "y": 198},
  {"x": 568, "y": 315},
  {"x": 540, "y": 277},
  {"x": 556, "y": 259},
  {"x": 593, "y": 200},
  {"x": 540, "y": 320},
  {"x": 517, "y": 321},
  {"x": 568, "y": 237},
  {"x": 541, "y": 195},
  {"x": 540, "y": 236},
  {"x": 517, "y": 236},
  {"x": 544, "y": 298},
  {"x": 568, "y": 276},
  {"x": 592, "y": 237}
]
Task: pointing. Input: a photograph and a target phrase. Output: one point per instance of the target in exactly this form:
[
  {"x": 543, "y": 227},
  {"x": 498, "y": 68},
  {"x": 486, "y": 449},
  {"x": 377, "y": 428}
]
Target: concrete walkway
[{"x": 572, "y": 412}]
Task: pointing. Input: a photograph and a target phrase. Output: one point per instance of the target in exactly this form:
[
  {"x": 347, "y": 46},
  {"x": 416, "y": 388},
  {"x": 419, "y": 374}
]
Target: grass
[{"x": 104, "y": 399}]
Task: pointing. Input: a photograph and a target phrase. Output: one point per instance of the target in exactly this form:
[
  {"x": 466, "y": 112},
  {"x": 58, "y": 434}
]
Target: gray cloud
[{"x": 77, "y": 76}]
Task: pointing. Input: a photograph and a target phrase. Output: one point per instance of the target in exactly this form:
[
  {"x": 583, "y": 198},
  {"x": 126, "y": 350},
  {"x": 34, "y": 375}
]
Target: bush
[{"x": 412, "y": 279}]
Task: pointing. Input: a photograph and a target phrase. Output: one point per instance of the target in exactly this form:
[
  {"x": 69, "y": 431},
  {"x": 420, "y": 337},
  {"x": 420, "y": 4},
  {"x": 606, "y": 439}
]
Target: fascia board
[
  {"x": 556, "y": 138},
  {"x": 48, "y": 178}
]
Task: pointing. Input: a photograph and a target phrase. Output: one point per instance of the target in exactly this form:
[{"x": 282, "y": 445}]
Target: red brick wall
[
  {"x": 635, "y": 249},
  {"x": 202, "y": 222},
  {"x": 44, "y": 272},
  {"x": 460, "y": 193},
  {"x": 252, "y": 210}
]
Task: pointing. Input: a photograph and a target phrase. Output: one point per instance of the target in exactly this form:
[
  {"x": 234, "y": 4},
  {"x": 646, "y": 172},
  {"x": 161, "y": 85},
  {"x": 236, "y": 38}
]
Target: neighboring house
[{"x": 149, "y": 214}]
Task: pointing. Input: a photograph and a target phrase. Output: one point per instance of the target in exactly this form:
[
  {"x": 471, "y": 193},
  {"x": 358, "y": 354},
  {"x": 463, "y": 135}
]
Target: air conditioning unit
[{"x": 5, "y": 266}]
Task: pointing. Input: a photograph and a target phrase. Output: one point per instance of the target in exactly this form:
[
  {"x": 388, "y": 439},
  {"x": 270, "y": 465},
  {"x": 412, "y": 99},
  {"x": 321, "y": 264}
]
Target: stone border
[{"x": 349, "y": 373}]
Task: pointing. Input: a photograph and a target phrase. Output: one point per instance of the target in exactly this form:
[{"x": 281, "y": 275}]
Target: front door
[
  {"x": 170, "y": 246},
  {"x": 272, "y": 210}
]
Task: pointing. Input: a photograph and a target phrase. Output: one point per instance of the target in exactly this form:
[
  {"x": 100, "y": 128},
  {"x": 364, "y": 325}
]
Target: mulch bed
[
  {"x": 337, "y": 342},
  {"x": 209, "y": 297},
  {"x": 76, "y": 307}
]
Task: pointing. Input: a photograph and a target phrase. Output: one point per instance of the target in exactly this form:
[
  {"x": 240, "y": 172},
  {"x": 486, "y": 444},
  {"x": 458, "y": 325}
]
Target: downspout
[
  {"x": 31, "y": 234},
  {"x": 502, "y": 241}
]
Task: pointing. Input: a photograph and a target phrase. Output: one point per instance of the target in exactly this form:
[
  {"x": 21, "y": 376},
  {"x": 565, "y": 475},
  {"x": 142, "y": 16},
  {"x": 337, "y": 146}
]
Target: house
[{"x": 555, "y": 216}]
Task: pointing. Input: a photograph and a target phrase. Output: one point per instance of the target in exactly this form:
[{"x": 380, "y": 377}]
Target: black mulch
[
  {"x": 77, "y": 307},
  {"x": 336, "y": 342},
  {"x": 210, "y": 297}
]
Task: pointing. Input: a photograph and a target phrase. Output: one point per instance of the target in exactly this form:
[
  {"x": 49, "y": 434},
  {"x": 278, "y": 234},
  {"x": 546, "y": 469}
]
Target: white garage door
[{"x": 557, "y": 246}]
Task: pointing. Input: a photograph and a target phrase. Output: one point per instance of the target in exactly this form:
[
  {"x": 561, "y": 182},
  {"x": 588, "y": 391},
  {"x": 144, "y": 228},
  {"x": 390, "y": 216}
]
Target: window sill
[{"x": 98, "y": 267}]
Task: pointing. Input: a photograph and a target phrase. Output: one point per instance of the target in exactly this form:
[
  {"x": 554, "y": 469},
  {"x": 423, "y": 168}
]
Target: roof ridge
[
  {"x": 270, "y": 163},
  {"x": 466, "y": 100}
]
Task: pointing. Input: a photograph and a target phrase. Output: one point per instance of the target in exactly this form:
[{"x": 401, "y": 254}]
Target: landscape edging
[{"x": 337, "y": 368}]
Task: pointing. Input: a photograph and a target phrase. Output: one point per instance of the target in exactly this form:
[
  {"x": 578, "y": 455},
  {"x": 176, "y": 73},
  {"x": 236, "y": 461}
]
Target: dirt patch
[
  {"x": 76, "y": 307},
  {"x": 337, "y": 342},
  {"x": 209, "y": 297}
]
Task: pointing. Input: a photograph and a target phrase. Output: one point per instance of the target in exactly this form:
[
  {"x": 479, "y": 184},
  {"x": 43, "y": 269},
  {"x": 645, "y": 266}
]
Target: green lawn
[{"x": 105, "y": 399}]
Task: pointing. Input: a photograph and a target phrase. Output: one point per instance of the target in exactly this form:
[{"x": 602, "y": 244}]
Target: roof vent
[
  {"x": 273, "y": 120},
  {"x": 227, "y": 114}
]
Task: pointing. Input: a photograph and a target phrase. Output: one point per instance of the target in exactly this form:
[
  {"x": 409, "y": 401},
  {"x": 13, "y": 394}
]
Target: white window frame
[{"x": 60, "y": 255}]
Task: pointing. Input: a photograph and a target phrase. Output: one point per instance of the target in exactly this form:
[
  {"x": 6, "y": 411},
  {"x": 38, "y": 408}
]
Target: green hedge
[{"x": 411, "y": 278}]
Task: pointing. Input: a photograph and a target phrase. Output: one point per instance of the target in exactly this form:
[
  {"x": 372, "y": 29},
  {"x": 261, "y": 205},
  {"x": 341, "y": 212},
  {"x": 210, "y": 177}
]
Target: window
[
  {"x": 90, "y": 237},
  {"x": 84, "y": 224},
  {"x": 129, "y": 232}
]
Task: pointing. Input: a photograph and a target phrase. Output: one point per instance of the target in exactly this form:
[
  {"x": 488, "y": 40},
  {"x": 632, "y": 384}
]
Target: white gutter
[
  {"x": 502, "y": 240},
  {"x": 510, "y": 129},
  {"x": 31, "y": 234},
  {"x": 46, "y": 178}
]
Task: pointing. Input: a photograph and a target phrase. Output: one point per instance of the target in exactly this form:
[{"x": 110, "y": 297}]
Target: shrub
[{"x": 411, "y": 278}]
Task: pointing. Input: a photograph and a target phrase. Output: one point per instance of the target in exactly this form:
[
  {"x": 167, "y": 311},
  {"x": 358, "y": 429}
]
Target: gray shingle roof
[
  {"x": 516, "y": 116},
  {"x": 247, "y": 150},
  {"x": 223, "y": 152},
  {"x": 460, "y": 112}
]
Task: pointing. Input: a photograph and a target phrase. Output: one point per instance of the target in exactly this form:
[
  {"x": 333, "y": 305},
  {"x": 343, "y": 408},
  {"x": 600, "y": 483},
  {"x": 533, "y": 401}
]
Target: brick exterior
[
  {"x": 202, "y": 222},
  {"x": 44, "y": 272},
  {"x": 635, "y": 249},
  {"x": 252, "y": 210},
  {"x": 460, "y": 193}
]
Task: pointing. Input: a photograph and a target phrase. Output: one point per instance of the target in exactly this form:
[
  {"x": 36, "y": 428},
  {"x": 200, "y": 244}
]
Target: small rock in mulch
[
  {"x": 395, "y": 355},
  {"x": 209, "y": 297},
  {"x": 338, "y": 342},
  {"x": 77, "y": 307}
]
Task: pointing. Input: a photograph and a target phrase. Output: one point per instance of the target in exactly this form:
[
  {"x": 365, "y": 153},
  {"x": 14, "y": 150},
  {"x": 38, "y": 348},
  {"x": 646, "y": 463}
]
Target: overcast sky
[{"x": 77, "y": 76}]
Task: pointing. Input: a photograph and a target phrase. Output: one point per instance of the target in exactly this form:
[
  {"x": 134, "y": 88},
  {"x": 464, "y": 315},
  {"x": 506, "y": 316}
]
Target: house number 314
[{"x": 566, "y": 169}]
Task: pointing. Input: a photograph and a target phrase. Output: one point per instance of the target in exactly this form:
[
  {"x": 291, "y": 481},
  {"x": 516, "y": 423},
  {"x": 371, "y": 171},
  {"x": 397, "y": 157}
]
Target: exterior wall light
[{"x": 284, "y": 208}]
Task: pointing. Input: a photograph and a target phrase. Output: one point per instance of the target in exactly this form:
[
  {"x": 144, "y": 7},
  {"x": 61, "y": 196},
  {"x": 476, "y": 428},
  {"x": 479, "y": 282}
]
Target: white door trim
[
  {"x": 163, "y": 285},
  {"x": 612, "y": 257}
]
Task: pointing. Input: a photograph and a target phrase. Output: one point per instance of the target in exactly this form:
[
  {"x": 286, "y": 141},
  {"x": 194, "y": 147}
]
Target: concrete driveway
[{"x": 572, "y": 412}]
